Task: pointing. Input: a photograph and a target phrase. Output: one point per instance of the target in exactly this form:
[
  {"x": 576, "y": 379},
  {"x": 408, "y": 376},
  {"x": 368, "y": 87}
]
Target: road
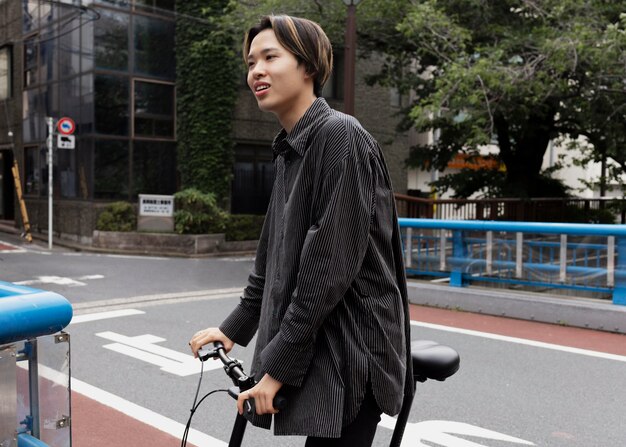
[{"x": 520, "y": 383}]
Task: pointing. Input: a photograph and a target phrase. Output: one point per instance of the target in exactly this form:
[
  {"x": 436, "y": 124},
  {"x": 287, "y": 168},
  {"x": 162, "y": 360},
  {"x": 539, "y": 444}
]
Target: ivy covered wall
[{"x": 208, "y": 67}]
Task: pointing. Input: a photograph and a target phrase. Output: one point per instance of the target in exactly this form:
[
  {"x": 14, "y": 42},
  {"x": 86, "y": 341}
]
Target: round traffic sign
[{"x": 66, "y": 126}]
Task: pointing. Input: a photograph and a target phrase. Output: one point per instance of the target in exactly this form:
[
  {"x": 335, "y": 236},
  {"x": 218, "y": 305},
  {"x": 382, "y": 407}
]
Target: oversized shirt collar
[{"x": 298, "y": 138}]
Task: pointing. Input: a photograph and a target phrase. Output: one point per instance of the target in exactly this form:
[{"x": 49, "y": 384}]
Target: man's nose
[{"x": 258, "y": 70}]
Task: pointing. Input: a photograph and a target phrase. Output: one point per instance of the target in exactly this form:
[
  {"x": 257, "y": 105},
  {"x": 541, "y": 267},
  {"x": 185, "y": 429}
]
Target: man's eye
[{"x": 270, "y": 56}]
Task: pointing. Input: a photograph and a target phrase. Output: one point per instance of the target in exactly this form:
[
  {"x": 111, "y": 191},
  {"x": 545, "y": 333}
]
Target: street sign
[
  {"x": 66, "y": 126},
  {"x": 66, "y": 141}
]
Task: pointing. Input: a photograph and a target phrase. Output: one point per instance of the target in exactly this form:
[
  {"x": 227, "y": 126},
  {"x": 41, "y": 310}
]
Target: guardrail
[
  {"x": 34, "y": 368},
  {"x": 568, "y": 209},
  {"x": 584, "y": 257}
]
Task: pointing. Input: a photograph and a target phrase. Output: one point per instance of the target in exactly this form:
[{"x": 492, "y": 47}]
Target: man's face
[{"x": 276, "y": 79}]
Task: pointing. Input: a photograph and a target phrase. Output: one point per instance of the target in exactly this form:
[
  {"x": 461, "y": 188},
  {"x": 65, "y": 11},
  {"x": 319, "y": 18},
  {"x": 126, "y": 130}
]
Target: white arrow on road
[
  {"x": 143, "y": 347},
  {"x": 59, "y": 280},
  {"x": 445, "y": 434}
]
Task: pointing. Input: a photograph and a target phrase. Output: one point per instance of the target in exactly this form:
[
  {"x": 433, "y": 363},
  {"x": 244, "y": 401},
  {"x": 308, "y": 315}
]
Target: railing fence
[{"x": 578, "y": 257}]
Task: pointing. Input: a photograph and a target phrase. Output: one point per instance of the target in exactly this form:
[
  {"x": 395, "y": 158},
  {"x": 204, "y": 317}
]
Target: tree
[{"x": 515, "y": 74}]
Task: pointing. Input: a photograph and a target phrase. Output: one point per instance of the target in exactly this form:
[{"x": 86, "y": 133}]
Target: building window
[
  {"x": 110, "y": 169},
  {"x": 30, "y": 62},
  {"x": 111, "y": 41},
  {"x": 111, "y": 105},
  {"x": 155, "y": 6},
  {"x": 154, "y": 47},
  {"x": 34, "y": 160},
  {"x": 153, "y": 109},
  {"x": 5, "y": 73},
  {"x": 154, "y": 167},
  {"x": 253, "y": 180}
]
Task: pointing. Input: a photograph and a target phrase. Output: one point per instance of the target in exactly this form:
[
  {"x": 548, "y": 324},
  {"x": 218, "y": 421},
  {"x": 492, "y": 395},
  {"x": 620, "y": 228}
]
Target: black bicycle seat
[{"x": 433, "y": 361}]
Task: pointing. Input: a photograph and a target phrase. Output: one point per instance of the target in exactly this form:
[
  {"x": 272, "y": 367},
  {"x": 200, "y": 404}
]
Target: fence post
[
  {"x": 459, "y": 253},
  {"x": 619, "y": 292}
]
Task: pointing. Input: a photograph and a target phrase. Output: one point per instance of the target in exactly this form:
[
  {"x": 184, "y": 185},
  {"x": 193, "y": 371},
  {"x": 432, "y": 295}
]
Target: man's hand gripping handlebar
[{"x": 240, "y": 379}]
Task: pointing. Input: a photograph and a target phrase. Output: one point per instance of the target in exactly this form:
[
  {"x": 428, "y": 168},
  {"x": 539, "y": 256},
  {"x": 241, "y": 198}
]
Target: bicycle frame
[{"x": 430, "y": 361}]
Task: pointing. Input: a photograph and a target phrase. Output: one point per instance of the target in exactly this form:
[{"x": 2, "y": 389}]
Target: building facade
[{"x": 110, "y": 66}]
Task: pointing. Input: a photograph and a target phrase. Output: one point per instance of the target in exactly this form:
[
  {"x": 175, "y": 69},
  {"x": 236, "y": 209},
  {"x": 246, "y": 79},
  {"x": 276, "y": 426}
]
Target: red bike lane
[{"x": 96, "y": 424}]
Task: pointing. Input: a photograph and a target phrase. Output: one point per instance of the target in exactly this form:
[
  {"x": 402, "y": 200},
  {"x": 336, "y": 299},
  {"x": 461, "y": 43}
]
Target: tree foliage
[{"x": 515, "y": 74}]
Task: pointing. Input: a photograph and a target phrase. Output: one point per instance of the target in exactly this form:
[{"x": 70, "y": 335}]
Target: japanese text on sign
[{"x": 152, "y": 205}]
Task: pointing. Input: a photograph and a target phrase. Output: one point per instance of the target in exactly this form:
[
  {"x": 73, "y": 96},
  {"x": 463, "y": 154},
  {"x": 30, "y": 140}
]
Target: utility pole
[{"x": 350, "y": 56}]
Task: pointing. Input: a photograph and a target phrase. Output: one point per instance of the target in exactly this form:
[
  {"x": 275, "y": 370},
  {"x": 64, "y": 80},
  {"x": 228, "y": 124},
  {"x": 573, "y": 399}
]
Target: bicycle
[{"x": 430, "y": 361}]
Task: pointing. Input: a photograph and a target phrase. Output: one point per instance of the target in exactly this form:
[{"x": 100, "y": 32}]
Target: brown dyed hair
[{"x": 303, "y": 38}]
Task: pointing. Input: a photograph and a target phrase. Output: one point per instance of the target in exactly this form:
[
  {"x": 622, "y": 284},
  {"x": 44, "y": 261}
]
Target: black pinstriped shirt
[{"x": 327, "y": 295}]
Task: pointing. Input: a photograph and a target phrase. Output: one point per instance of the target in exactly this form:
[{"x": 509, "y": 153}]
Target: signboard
[
  {"x": 154, "y": 205},
  {"x": 66, "y": 126},
  {"x": 66, "y": 141}
]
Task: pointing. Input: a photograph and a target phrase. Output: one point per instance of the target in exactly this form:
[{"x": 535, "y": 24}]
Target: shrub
[
  {"x": 117, "y": 216},
  {"x": 198, "y": 213},
  {"x": 244, "y": 227}
]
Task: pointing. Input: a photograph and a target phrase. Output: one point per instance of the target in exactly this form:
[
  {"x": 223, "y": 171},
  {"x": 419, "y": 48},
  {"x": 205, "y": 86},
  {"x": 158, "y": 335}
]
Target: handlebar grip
[{"x": 279, "y": 402}]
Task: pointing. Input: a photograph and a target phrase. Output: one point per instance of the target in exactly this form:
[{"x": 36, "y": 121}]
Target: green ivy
[{"x": 208, "y": 68}]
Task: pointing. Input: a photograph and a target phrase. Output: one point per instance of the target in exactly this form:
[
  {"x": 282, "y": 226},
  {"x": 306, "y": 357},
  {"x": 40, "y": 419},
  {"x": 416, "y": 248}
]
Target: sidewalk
[{"x": 541, "y": 307}]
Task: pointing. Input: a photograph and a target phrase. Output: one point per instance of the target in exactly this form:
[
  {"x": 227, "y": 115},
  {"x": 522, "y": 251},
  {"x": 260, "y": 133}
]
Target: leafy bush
[
  {"x": 244, "y": 227},
  {"x": 198, "y": 213},
  {"x": 117, "y": 216}
]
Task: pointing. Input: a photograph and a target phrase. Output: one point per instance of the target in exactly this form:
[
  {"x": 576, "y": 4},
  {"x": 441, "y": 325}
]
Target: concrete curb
[{"x": 566, "y": 311}]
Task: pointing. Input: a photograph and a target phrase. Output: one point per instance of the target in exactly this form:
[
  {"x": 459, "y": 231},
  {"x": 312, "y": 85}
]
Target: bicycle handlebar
[{"x": 240, "y": 379}]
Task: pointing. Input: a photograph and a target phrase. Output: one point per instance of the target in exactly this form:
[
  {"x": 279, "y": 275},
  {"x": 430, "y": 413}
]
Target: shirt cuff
[
  {"x": 285, "y": 362},
  {"x": 240, "y": 326}
]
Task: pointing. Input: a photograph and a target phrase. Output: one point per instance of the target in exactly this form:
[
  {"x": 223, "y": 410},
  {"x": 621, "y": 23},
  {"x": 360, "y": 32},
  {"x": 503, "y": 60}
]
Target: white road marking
[
  {"x": 157, "y": 299},
  {"x": 130, "y": 409},
  {"x": 88, "y": 277},
  {"x": 105, "y": 315},
  {"x": 521, "y": 341},
  {"x": 443, "y": 434},
  {"x": 59, "y": 280},
  {"x": 144, "y": 348}
]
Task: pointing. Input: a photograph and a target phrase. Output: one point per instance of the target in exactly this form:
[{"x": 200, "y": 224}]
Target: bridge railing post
[{"x": 619, "y": 291}]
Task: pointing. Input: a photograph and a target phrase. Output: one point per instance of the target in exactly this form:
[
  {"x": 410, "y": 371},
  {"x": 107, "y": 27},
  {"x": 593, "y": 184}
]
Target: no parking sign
[{"x": 66, "y": 126}]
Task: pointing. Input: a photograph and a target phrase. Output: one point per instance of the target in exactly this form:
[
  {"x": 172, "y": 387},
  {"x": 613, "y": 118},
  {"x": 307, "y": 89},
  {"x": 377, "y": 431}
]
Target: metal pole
[
  {"x": 49, "y": 141},
  {"x": 350, "y": 61},
  {"x": 33, "y": 385}
]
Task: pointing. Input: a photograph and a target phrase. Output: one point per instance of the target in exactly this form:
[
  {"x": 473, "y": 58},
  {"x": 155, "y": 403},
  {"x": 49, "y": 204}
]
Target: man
[{"x": 327, "y": 295}]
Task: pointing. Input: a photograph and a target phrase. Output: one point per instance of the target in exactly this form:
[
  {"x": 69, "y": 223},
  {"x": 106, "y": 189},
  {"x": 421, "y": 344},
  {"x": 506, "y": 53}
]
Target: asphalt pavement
[{"x": 520, "y": 383}]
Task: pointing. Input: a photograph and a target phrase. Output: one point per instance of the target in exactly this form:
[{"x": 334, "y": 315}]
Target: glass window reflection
[
  {"x": 111, "y": 105},
  {"x": 34, "y": 125},
  {"x": 154, "y": 47},
  {"x": 30, "y": 62},
  {"x": 85, "y": 121},
  {"x": 70, "y": 50},
  {"x": 111, "y": 169},
  {"x": 154, "y": 109},
  {"x": 5, "y": 73},
  {"x": 111, "y": 41},
  {"x": 31, "y": 171},
  {"x": 154, "y": 167}
]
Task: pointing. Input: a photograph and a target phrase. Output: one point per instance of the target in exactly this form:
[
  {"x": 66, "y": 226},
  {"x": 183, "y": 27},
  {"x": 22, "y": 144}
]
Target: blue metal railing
[
  {"x": 25, "y": 315},
  {"x": 585, "y": 257}
]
